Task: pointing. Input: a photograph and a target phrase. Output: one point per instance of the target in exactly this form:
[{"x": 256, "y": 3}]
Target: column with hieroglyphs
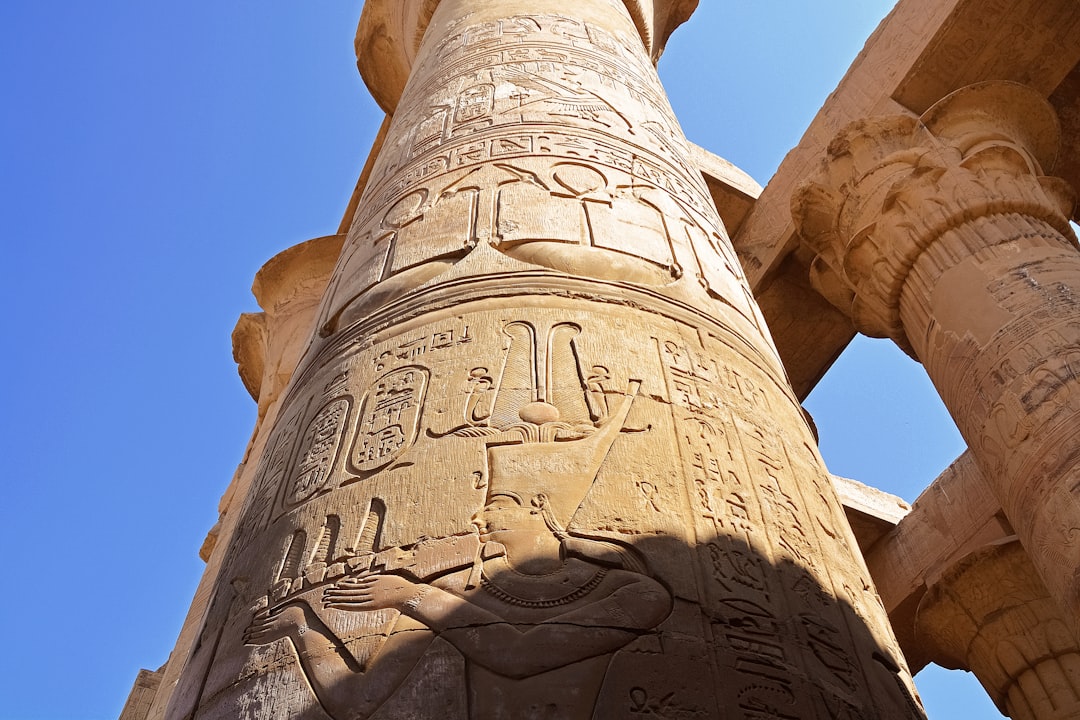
[
  {"x": 541, "y": 459},
  {"x": 944, "y": 234}
]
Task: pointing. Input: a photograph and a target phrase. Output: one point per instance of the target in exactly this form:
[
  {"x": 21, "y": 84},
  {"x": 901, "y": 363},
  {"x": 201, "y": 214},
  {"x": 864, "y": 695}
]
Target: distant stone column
[
  {"x": 542, "y": 460},
  {"x": 992, "y": 615},
  {"x": 943, "y": 234}
]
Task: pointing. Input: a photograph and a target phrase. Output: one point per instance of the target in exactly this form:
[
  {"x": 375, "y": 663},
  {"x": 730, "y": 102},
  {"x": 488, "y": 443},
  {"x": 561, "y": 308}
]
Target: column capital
[
  {"x": 389, "y": 34},
  {"x": 991, "y": 614},
  {"x": 892, "y": 186}
]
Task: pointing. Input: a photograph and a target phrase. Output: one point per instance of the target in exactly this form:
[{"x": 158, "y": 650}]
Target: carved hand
[
  {"x": 372, "y": 592},
  {"x": 272, "y": 624}
]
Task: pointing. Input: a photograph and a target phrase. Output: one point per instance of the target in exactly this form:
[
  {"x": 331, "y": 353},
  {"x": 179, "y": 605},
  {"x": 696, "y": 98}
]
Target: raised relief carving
[
  {"x": 389, "y": 418},
  {"x": 537, "y": 604}
]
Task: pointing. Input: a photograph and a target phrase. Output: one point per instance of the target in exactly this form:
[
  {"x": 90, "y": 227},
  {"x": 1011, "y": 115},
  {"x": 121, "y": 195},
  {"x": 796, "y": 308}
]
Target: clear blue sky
[{"x": 153, "y": 156}]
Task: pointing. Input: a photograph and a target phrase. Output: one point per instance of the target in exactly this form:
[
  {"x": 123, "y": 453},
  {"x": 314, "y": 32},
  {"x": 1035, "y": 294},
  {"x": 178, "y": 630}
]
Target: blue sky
[{"x": 153, "y": 156}]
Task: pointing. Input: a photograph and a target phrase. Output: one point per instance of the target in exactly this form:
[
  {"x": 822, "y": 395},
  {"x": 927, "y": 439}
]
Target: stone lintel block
[
  {"x": 732, "y": 189},
  {"x": 872, "y": 513},
  {"x": 1034, "y": 42}
]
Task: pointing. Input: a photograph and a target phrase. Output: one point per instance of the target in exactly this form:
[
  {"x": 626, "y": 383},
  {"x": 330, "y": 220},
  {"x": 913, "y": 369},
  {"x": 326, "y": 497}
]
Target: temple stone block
[{"x": 945, "y": 233}]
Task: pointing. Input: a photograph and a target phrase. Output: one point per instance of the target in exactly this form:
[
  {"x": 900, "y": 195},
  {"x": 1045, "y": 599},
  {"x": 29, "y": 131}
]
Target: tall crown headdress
[{"x": 562, "y": 471}]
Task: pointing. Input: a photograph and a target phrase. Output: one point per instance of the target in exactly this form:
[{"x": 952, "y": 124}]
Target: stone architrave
[
  {"x": 991, "y": 614},
  {"x": 542, "y": 459},
  {"x": 944, "y": 234}
]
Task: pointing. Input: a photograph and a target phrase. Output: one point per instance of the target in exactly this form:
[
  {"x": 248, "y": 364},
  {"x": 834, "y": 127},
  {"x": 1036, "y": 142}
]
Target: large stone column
[
  {"x": 542, "y": 460},
  {"x": 944, "y": 234},
  {"x": 991, "y": 614}
]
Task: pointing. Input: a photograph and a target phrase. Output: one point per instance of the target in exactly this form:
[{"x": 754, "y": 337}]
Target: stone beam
[
  {"x": 872, "y": 513},
  {"x": 732, "y": 190},
  {"x": 919, "y": 53}
]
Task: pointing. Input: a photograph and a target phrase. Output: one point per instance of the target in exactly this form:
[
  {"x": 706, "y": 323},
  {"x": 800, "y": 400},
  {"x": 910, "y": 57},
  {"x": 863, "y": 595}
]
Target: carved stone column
[
  {"x": 542, "y": 460},
  {"x": 991, "y": 614},
  {"x": 943, "y": 234}
]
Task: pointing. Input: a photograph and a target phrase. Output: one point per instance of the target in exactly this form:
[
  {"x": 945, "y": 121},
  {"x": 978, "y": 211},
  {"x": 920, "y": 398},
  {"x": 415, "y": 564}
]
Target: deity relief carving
[{"x": 529, "y": 602}]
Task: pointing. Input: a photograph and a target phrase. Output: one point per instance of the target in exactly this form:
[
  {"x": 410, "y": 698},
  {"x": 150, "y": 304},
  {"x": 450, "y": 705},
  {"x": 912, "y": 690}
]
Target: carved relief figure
[{"x": 540, "y": 607}]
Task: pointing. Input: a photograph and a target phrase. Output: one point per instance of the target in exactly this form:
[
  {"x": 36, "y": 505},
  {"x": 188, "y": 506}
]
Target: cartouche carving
[
  {"x": 389, "y": 418},
  {"x": 318, "y": 452}
]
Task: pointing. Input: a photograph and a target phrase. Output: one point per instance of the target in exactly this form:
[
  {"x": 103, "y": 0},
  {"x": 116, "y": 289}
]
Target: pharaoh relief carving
[
  {"x": 528, "y": 602},
  {"x": 487, "y": 416}
]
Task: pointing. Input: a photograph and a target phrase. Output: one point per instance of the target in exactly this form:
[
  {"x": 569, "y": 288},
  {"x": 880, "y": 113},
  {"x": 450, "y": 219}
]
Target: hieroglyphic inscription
[
  {"x": 537, "y": 129},
  {"x": 702, "y": 384},
  {"x": 416, "y": 346},
  {"x": 758, "y": 542},
  {"x": 767, "y": 693},
  {"x": 318, "y": 452},
  {"x": 389, "y": 418},
  {"x": 665, "y": 707}
]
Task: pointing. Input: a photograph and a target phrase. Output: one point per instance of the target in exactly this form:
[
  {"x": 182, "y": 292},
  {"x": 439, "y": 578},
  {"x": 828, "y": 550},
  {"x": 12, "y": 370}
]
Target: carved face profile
[{"x": 504, "y": 515}]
